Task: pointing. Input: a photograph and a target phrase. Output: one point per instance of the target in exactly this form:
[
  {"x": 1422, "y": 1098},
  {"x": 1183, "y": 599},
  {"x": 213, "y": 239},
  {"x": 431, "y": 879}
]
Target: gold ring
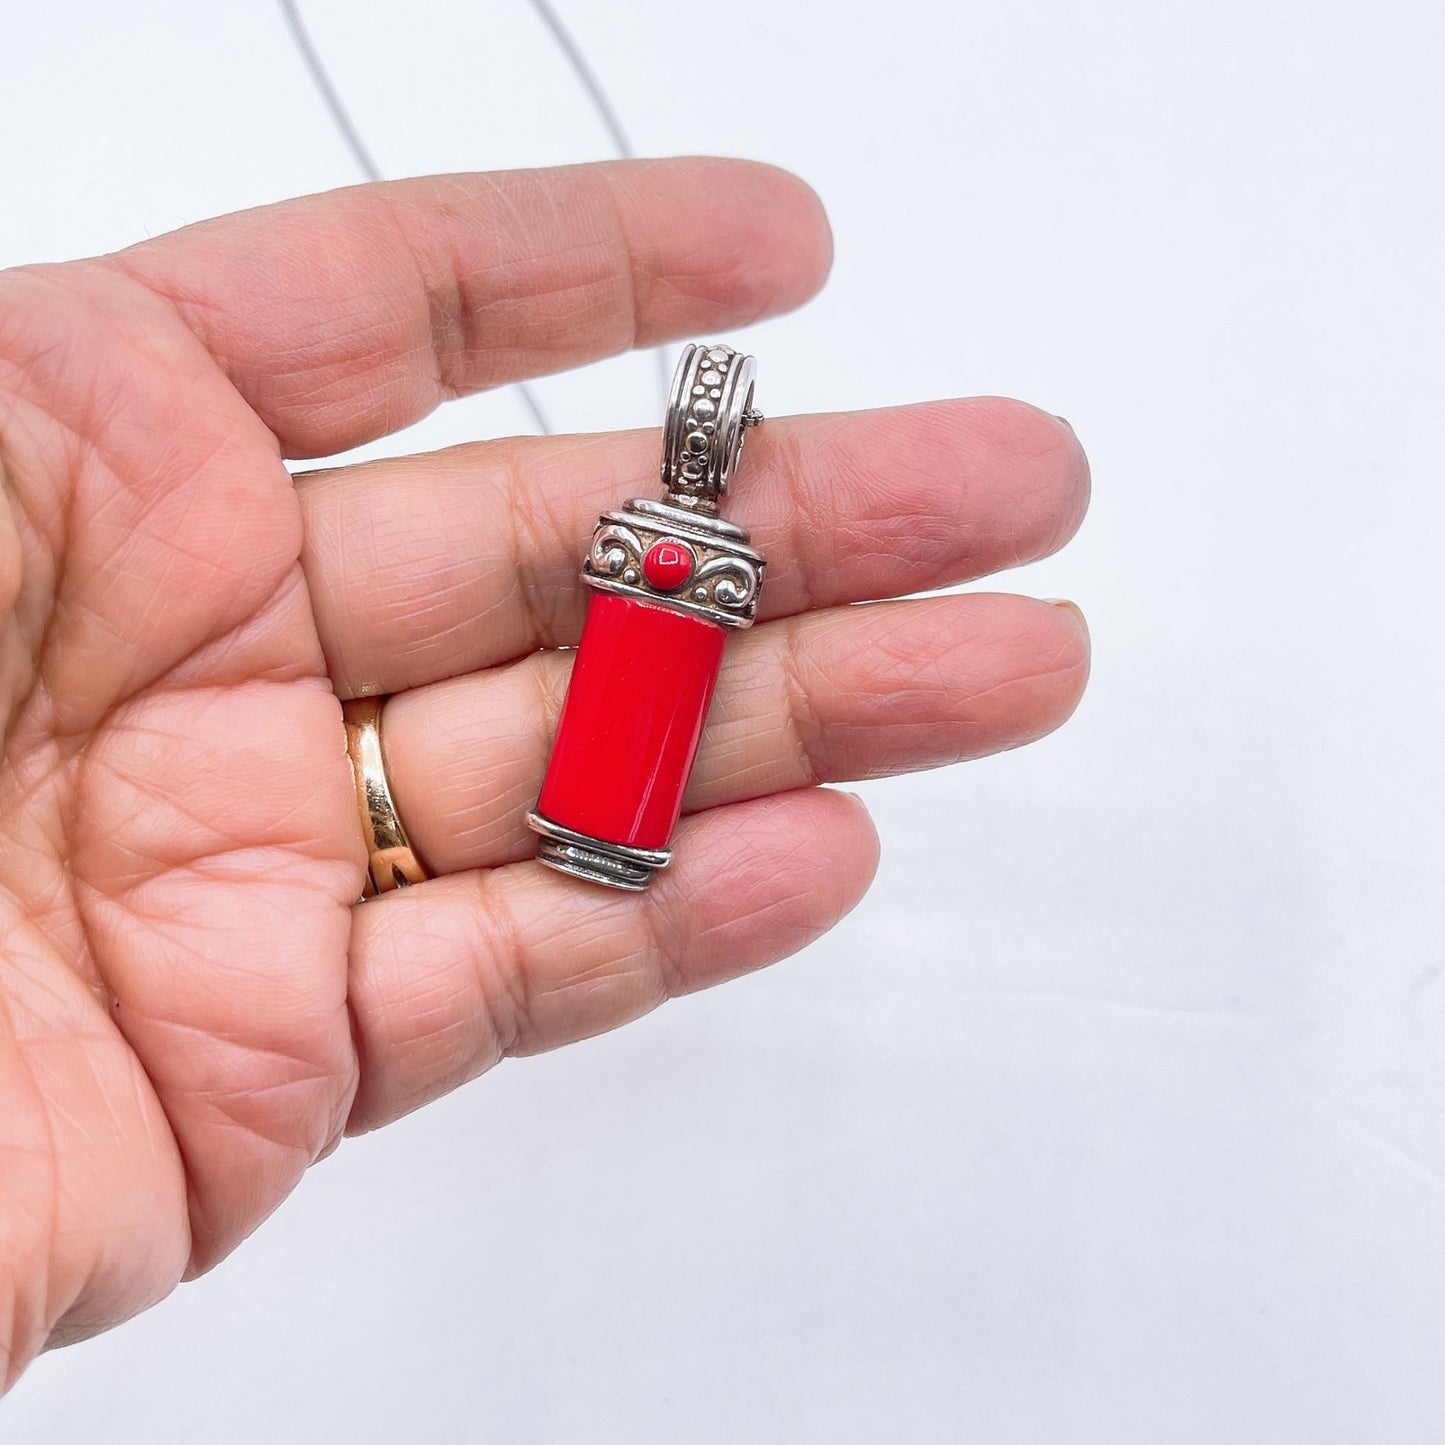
[{"x": 390, "y": 862}]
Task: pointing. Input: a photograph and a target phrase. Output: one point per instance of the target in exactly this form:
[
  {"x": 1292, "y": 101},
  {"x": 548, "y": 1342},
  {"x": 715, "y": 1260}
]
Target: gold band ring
[{"x": 390, "y": 862}]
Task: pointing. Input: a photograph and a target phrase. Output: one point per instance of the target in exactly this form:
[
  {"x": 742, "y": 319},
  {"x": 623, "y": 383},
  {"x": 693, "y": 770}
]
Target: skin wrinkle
[
  {"x": 795, "y": 471},
  {"x": 12, "y": 552},
  {"x": 618, "y": 968},
  {"x": 549, "y": 687},
  {"x": 76, "y": 729},
  {"x": 50, "y": 778},
  {"x": 171, "y": 949},
  {"x": 414, "y": 571},
  {"x": 409, "y": 630},
  {"x": 430, "y": 641},
  {"x": 765, "y": 914},
  {"x": 231, "y": 866},
  {"x": 717, "y": 280},
  {"x": 664, "y": 918},
  {"x": 551, "y": 571},
  {"x": 1041, "y": 500},
  {"x": 368, "y": 343},
  {"x": 255, "y": 616},
  {"x": 507, "y": 968},
  {"x": 692, "y": 283},
  {"x": 88, "y": 422},
  {"x": 21, "y": 1342},
  {"x": 37, "y": 565},
  {"x": 48, "y": 1002},
  {"x": 193, "y": 309},
  {"x": 251, "y": 1048},
  {"x": 621, "y": 969},
  {"x": 50, "y": 916},
  {"x": 289, "y": 670},
  {"x": 489, "y": 937},
  {"x": 163, "y": 796},
  {"x": 124, "y": 490},
  {"x": 91, "y": 1132},
  {"x": 410, "y": 966},
  {"x": 37, "y": 705},
  {"x": 33, "y": 360},
  {"x": 527, "y": 539},
  {"x": 1040, "y": 675},
  {"x": 88, "y": 959},
  {"x": 883, "y": 527},
  {"x": 444, "y": 316},
  {"x": 219, "y": 568},
  {"x": 221, "y": 1098},
  {"x": 800, "y": 713},
  {"x": 460, "y": 300},
  {"x": 333, "y": 653},
  {"x": 765, "y": 918},
  {"x": 432, "y": 1011},
  {"x": 66, "y": 604},
  {"x": 381, "y": 1037},
  {"x": 631, "y": 271},
  {"x": 579, "y": 319}
]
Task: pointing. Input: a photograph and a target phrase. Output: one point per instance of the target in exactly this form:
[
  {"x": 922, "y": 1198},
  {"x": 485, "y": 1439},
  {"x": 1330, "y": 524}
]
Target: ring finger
[{"x": 831, "y": 696}]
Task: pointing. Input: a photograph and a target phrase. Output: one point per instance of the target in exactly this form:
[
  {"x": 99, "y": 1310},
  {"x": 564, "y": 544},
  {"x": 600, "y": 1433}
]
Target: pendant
[{"x": 670, "y": 578}]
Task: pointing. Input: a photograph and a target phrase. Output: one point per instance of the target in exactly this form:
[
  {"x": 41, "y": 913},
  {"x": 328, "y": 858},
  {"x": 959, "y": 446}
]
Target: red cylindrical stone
[{"x": 641, "y": 684}]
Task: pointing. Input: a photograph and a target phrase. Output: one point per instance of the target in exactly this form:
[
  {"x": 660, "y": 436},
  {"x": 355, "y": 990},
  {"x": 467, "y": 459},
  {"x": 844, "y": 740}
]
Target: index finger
[{"x": 344, "y": 316}]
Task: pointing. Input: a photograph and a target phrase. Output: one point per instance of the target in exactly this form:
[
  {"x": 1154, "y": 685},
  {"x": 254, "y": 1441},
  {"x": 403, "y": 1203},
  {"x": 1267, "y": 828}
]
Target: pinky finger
[{"x": 450, "y": 977}]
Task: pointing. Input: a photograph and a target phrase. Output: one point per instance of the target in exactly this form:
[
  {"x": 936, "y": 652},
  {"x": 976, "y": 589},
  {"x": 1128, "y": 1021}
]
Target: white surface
[{"x": 1117, "y": 1113}]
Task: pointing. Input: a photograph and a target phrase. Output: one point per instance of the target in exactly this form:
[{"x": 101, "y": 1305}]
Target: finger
[
  {"x": 451, "y": 976},
  {"x": 826, "y": 697},
  {"x": 342, "y": 317},
  {"x": 427, "y": 567}
]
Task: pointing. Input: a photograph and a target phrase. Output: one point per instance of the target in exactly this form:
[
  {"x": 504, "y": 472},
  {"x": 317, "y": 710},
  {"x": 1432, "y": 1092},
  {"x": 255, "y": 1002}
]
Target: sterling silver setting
[
  {"x": 727, "y": 574},
  {"x": 583, "y": 856}
]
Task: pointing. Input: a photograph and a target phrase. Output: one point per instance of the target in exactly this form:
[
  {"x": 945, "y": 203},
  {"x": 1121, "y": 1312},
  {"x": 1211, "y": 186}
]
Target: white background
[{"x": 1117, "y": 1112}]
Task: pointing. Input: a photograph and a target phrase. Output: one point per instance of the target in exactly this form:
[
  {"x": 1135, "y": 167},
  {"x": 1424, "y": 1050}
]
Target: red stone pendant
[{"x": 671, "y": 577}]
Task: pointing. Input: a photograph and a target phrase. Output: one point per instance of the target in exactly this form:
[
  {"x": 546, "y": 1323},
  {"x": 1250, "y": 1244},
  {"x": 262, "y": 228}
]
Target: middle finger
[{"x": 422, "y": 568}]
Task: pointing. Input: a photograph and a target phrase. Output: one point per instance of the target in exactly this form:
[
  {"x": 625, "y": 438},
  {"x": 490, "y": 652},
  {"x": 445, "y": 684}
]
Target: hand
[{"x": 192, "y": 1009}]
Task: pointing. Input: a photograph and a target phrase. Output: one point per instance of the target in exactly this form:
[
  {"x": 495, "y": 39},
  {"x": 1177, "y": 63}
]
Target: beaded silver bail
[{"x": 709, "y": 411}]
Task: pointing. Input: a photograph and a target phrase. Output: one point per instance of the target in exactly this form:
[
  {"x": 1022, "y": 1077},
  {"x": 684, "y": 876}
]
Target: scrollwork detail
[
  {"x": 736, "y": 580},
  {"x": 615, "y": 547}
]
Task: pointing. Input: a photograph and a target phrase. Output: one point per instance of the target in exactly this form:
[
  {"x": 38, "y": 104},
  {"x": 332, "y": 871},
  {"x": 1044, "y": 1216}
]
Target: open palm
[{"x": 192, "y": 1007}]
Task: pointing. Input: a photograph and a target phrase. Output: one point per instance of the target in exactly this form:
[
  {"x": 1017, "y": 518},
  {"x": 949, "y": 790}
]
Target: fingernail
[
  {"x": 1065, "y": 421},
  {"x": 1074, "y": 610}
]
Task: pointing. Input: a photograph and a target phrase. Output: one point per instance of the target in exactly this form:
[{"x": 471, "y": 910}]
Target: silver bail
[{"x": 709, "y": 411}]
